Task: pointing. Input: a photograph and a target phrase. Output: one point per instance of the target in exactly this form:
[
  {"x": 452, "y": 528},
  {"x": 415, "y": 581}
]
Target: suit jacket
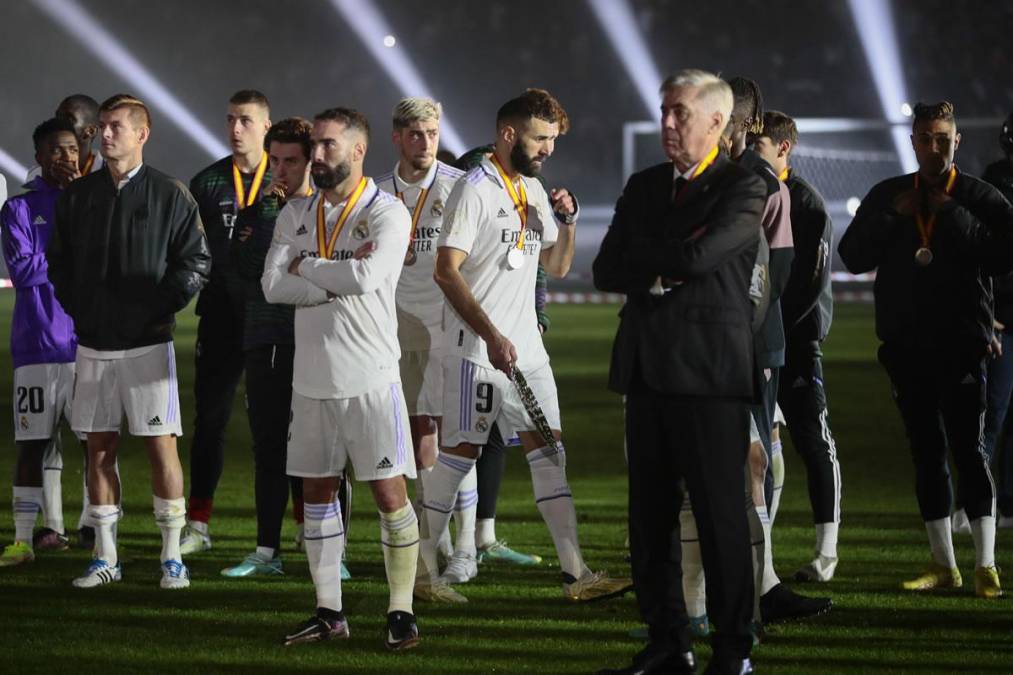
[{"x": 695, "y": 340}]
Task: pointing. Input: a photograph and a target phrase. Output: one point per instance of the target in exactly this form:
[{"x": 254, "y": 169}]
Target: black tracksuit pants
[
  {"x": 699, "y": 444},
  {"x": 803, "y": 401},
  {"x": 941, "y": 398},
  {"x": 269, "y": 404}
]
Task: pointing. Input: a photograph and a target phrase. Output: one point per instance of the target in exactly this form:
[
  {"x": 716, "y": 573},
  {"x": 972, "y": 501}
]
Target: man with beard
[
  {"x": 500, "y": 222},
  {"x": 934, "y": 238},
  {"x": 337, "y": 258},
  {"x": 222, "y": 190},
  {"x": 81, "y": 111}
]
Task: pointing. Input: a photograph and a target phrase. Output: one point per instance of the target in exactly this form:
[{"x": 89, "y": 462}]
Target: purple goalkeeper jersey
[{"x": 41, "y": 332}]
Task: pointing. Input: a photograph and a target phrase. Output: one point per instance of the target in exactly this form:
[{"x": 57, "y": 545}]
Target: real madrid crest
[
  {"x": 361, "y": 230},
  {"x": 24, "y": 423},
  {"x": 437, "y": 208},
  {"x": 482, "y": 425}
]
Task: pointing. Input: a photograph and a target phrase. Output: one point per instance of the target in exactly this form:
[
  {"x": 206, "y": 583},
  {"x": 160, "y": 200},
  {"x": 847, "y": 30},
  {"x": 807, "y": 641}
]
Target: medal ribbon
[
  {"x": 518, "y": 197},
  {"x": 926, "y": 226},
  {"x": 417, "y": 211},
  {"x": 325, "y": 247},
  {"x": 784, "y": 175},
  {"x": 701, "y": 167},
  {"x": 87, "y": 165},
  {"x": 237, "y": 183}
]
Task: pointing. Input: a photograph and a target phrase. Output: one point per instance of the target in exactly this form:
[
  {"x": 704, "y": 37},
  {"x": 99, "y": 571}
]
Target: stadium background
[{"x": 846, "y": 68}]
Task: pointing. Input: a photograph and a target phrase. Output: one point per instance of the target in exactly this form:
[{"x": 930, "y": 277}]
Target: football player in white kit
[
  {"x": 337, "y": 257},
  {"x": 423, "y": 183},
  {"x": 500, "y": 223}
]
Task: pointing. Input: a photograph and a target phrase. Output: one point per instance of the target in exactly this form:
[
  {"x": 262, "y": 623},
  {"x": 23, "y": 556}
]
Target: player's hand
[
  {"x": 66, "y": 172},
  {"x": 275, "y": 189},
  {"x": 293, "y": 267},
  {"x": 995, "y": 347},
  {"x": 502, "y": 354},
  {"x": 364, "y": 251},
  {"x": 998, "y": 326},
  {"x": 245, "y": 233},
  {"x": 906, "y": 202},
  {"x": 562, "y": 202}
]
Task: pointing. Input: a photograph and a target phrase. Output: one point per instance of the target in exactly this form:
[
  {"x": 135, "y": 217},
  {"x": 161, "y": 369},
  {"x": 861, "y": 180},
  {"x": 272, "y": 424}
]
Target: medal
[
  {"x": 325, "y": 245},
  {"x": 515, "y": 258},
  {"x": 924, "y": 255},
  {"x": 410, "y": 257},
  {"x": 242, "y": 200}
]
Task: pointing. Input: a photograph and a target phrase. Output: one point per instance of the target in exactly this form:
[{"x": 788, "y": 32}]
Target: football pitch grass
[{"x": 517, "y": 619}]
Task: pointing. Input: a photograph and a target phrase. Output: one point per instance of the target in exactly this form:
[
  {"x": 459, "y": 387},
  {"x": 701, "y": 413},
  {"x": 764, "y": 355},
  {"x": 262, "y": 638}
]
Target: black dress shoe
[
  {"x": 723, "y": 666},
  {"x": 656, "y": 660},
  {"x": 781, "y": 603}
]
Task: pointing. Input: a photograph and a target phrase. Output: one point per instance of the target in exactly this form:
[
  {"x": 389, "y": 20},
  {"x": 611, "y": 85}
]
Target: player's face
[
  {"x": 76, "y": 116},
  {"x": 765, "y": 148},
  {"x": 288, "y": 165},
  {"x": 935, "y": 143},
  {"x": 688, "y": 131},
  {"x": 332, "y": 153},
  {"x": 122, "y": 138},
  {"x": 59, "y": 148},
  {"x": 535, "y": 143},
  {"x": 247, "y": 124},
  {"x": 418, "y": 143}
]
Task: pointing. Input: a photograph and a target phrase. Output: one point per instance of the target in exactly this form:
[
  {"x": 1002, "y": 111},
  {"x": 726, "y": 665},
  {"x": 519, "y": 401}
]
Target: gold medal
[{"x": 923, "y": 256}]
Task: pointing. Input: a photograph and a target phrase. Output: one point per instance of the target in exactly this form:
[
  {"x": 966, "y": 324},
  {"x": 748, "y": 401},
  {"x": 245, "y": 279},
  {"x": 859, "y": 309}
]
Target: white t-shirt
[
  {"x": 419, "y": 300},
  {"x": 483, "y": 222},
  {"x": 347, "y": 345}
]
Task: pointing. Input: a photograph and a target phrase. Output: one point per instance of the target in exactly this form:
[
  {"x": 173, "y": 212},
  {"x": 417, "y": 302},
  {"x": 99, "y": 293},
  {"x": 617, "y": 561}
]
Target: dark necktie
[{"x": 680, "y": 184}]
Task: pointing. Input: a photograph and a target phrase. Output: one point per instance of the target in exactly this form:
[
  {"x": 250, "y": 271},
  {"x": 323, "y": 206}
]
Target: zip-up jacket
[
  {"x": 123, "y": 262},
  {"x": 947, "y": 303},
  {"x": 807, "y": 304},
  {"x": 1000, "y": 174}
]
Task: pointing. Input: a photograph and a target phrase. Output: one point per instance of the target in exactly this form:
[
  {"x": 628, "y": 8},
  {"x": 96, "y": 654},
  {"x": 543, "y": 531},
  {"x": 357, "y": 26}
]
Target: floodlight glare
[
  {"x": 81, "y": 26},
  {"x": 616, "y": 19},
  {"x": 874, "y": 23},
  {"x": 389, "y": 41},
  {"x": 367, "y": 22},
  {"x": 905, "y": 109},
  {"x": 13, "y": 167}
]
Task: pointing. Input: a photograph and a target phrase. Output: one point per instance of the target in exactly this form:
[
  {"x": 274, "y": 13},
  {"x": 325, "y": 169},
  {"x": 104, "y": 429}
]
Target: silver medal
[
  {"x": 923, "y": 256},
  {"x": 515, "y": 258}
]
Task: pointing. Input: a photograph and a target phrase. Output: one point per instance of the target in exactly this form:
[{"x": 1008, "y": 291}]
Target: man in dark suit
[{"x": 682, "y": 247}]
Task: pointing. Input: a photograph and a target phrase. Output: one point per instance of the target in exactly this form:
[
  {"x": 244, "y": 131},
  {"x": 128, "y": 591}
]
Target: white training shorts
[
  {"x": 475, "y": 397},
  {"x": 370, "y": 431},
  {"x": 142, "y": 387},
  {"x": 43, "y": 395},
  {"x": 422, "y": 382}
]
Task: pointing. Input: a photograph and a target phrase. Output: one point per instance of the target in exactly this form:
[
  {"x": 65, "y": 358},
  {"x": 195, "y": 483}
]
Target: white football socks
[
  {"x": 983, "y": 533},
  {"x": 769, "y": 579},
  {"x": 777, "y": 469},
  {"x": 26, "y": 504},
  {"x": 440, "y": 496},
  {"x": 464, "y": 513},
  {"x": 555, "y": 503},
  {"x": 170, "y": 516},
  {"x": 324, "y": 545},
  {"x": 826, "y": 539},
  {"x": 941, "y": 542},
  {"x": 105, "y": 517},
  {"x": 485, "y": 532},
  {"x": 399, "y": 534},
  {"x": 52, "y": 484}
]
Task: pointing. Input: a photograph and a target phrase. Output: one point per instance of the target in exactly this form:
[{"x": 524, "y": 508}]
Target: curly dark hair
[
  {"x": 291, "y": 130},
  {"x": 536, "y": 103}
]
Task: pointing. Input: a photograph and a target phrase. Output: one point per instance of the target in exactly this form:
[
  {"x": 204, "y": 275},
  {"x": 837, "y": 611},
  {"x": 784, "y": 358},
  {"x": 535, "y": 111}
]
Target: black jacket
[
  {"x": 123, "y": 263},
  {"x": 807, "y": 304},
  {"x": 696, "y": 339},
  {"x": 948, "y": 303}
]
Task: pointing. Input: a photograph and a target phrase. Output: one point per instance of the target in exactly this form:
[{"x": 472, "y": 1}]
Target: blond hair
[{"x": 416, "y": 109}]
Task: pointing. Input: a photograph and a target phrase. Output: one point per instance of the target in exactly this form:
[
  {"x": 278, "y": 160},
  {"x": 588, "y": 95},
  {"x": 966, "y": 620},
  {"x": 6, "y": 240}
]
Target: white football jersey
[
  {"x": 345, "y": 320},
  {"x": 419, "y": 300},
  {"x": 483, "y": 222}
]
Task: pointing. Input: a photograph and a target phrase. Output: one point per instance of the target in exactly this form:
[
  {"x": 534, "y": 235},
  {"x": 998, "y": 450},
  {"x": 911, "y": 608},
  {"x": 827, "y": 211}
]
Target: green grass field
[{"x": 517, "y": 620}]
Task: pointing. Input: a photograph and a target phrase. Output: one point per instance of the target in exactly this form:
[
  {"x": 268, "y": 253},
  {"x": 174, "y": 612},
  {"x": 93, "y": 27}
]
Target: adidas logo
[
  {"x": 155, "y": 421},
  {"x": 39, "y": 220},
  {"x": 384, "y": 464},
  {"x": 502, "y": 213},
  {"x": 301, "y": 230}
]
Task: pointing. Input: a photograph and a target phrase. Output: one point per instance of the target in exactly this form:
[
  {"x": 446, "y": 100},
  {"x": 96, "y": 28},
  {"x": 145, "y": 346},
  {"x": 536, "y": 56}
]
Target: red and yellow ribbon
[
  {"x": 417, "y": 211},
  {"x": 927, "y": 225},
  {"x": 242, "y": 200},
  {"x": 88, "y": 164},
  {"x": 784, "y": 175},
  {"x": 518, "y": 196},
  {"x": 325, "y": 246}
]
